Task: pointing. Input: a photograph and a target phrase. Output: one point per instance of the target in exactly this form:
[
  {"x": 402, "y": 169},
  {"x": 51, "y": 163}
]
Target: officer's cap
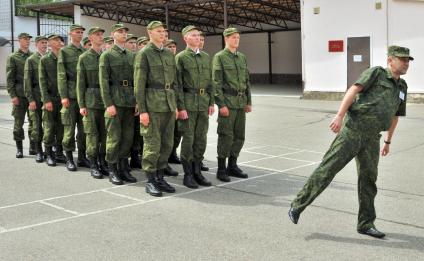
[
  {"x": 40, "y": 37},
  {"x": 54, "y": 36},
  {"x": 117, "y": 27},
  {"x": 399, "y": 51},
  {"x": 155, "y": 24},
  {"x": 24, "y": 35},
  {"x": 188, "y": 29},
  {"x": 75, "y": 27},
  {"x": 169, "y": 42},
  {"x": 95, "y": 30},
  {"x": 108, "y": 39},
  {"x": 202, "y": 34},
  {"x": 230, "y": 31},
  {"x": 131, "y": 37},
  {"x": 85, "y": 40},
  {"x": 142, "y": 39}
]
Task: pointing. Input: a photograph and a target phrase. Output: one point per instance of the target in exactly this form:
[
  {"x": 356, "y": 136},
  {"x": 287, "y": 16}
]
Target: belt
[
  {"x": 232, "y": 92},
  {"x": 126, "y": 83},
  {"x": 166, "y": 87},
  {"x": 200, "y": 91}
]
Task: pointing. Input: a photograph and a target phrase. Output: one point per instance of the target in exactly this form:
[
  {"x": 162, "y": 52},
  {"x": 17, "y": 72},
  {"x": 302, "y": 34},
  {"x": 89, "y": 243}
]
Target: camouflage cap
[
  {"x": 142, "y": 39},
  {"x": 95, "y": 30},
  {"x": 202, "y": 34},
  {"x": 24, "y": 35},
  {"x": 131, "y": 37},
  {"x": 169, "y": 42},
  {"x": 229, "y": 31},
  {"x": 188, "y": 28},
  {"x": 108, "y": 39},
  {"x": 155, "y": 24},
  {"x": 117, "y": 27},
  {"x": 40, "y": 37},
  {"x": 54, "y": 36},
  {"x": 75, "y": 27},
  {"x": 85, "y": 40},
  {"x": 399, "y": 51}
]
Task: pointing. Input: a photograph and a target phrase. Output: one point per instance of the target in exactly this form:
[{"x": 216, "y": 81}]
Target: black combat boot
[
  {"x": 39, "y": 157},
  {"x": 221, "y": 173},
  {"x": 123, "y": 171},
  {"x": 94, "y": 169},
  {"x": 168, "y": 171},
  {"x": 234, "y": 170},
  {"x": 50, "y": 160},
  {"x": 188, "y": 176},
  {"x": 19, "y": 150},
  {"x": 82, "y": 160},
  {"x": 161, "y": 183},
  {"x": 173, "y": 158},
  {"x": 135, "y": 161},
  {"x": 151, "y": 185},
  {"x": 198, "y": 177},
  {"x": 59, "y": 156},
  {"x": 103, "y": 165},
  {"x": 70, "y": 165},
  {"x": 203, "y": 167},
  {"x": 32, "y": 148},
  {"x": 113, "y": 174}
]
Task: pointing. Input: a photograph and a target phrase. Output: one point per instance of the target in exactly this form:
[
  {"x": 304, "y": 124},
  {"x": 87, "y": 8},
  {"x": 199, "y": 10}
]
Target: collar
[
  {"x": 228, "y": 51},
  {"x": 197, "y": 52},
  {"x": 95, "y": 52},
  {"x": 119, "y": 48},
  {"x": 75, "y": 47},
  {"x": 160, "y": 49}
]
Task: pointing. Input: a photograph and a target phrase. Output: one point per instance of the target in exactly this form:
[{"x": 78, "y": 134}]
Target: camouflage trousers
[
  {"x": 231, "y": 133},
  {"x": 95, "y": 132},
  {"x": 52, "y": 125},
  {"x": 120, "y": 132},
  {"x": 158, "y": 139},
  {"x": 18, "y": 113},
  {"x": 348, "y": 144},
  {"x": 37, "y": 126},
  {"x": 194, "y": 131},
  {"x": 70, "y": 117}
]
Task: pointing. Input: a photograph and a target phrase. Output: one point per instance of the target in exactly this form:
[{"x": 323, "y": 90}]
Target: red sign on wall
[{"x": 335, "y": 46}]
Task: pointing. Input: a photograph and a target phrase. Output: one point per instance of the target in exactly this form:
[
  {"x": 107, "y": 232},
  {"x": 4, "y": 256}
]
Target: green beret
[
  {"x": 24, "y": 35},
  {"x": 142, "y": 39},
  {"x": 75, "y": 26},
  {"x": 95, "y": 30},
  {"x": 169, "y": 42},
  {"x": 131, "y": 37},
  {"x": 85, "y": 40},
  {"x": 40, "y": 37},
  {"x": 117, "y": 27},
  {"x": 108, "y": 39},
  {"x": 188, "y": 29},
  {"x": 399, "y": 51},
  {"x": 155, "y": 24},
  {"x": 54, "y": 36},
  {"x": 230, "y": 31}
]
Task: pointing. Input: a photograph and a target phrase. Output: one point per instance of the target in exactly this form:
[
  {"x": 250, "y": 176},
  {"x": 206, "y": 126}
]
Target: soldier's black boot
[
  {"x": 151, "y": 185},
  {"x": 59, "y": 156},
  {"x": 19, "y": 150},
  {"x": 103, "y": 165},
  {"x": 197, "y": 173},
  {"x": 39, "y": 157},
  {"x": 82, "y": 160},
  {"x": 123, "y": 171},
  {"x": 294, "y": 215},
  {"x": 32, "y": 148},
  {"x": 113, "y": 174},
  {"x": 234, "y": 170},
  {"x": 203, "y": 167},
  {"x": 173, "y": 158},
  {"x": 50, "y": 160},
  {"x": 94, "y": 169},
  {"x": 70, "y": 165},
  {"x": 221, "y": 173},
  {"x": 135, "y": 161},
  {"x": 168, "y": 171},
  {"x": 161, "y": 183},
  {"x": 188, "y": 176}
]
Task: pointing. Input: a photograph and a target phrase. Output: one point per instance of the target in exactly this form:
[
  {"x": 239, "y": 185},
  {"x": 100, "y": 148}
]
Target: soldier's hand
[
  {"x": 136, "y": 111},
  {"x": 385, "y": 150},
  {"x": 176, "y": 114},
  {"x": 111, "y": 110},
  {"x": 65, "y": 102},
  {"x": 144, "y": 119},
  {"x": 32, "y": 106},
  {"x": 83, "y": 112},
  {"x": 248, "y": 108},
  {"x": 183, "y": 115},
  {"x": 224, "y": 112},
  {"x": 336, "y": 124},
  {"x": 49, "y": 106},
  {"x": 15, "y": 101},
  {"x": 211, "y": 110}
]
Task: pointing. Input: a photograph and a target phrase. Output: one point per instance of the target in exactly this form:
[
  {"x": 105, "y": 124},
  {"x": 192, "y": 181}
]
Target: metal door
[{"x": 358, "y": 57}]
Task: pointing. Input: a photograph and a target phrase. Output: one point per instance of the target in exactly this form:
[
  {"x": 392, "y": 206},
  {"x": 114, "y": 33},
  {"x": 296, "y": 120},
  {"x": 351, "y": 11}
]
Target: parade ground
[{"x": 48, "y": 213}]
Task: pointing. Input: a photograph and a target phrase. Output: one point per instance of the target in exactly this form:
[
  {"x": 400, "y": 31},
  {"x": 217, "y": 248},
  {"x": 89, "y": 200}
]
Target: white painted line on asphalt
[
  {"x": 2, "y": 229},
  {"x": 296, "y": 159},
  {"x": 122, "y": 196},
  {"x": 276, "y": 95},
  {"x": 270, "y": 155},
  {"x": 59, "y": 208}
]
